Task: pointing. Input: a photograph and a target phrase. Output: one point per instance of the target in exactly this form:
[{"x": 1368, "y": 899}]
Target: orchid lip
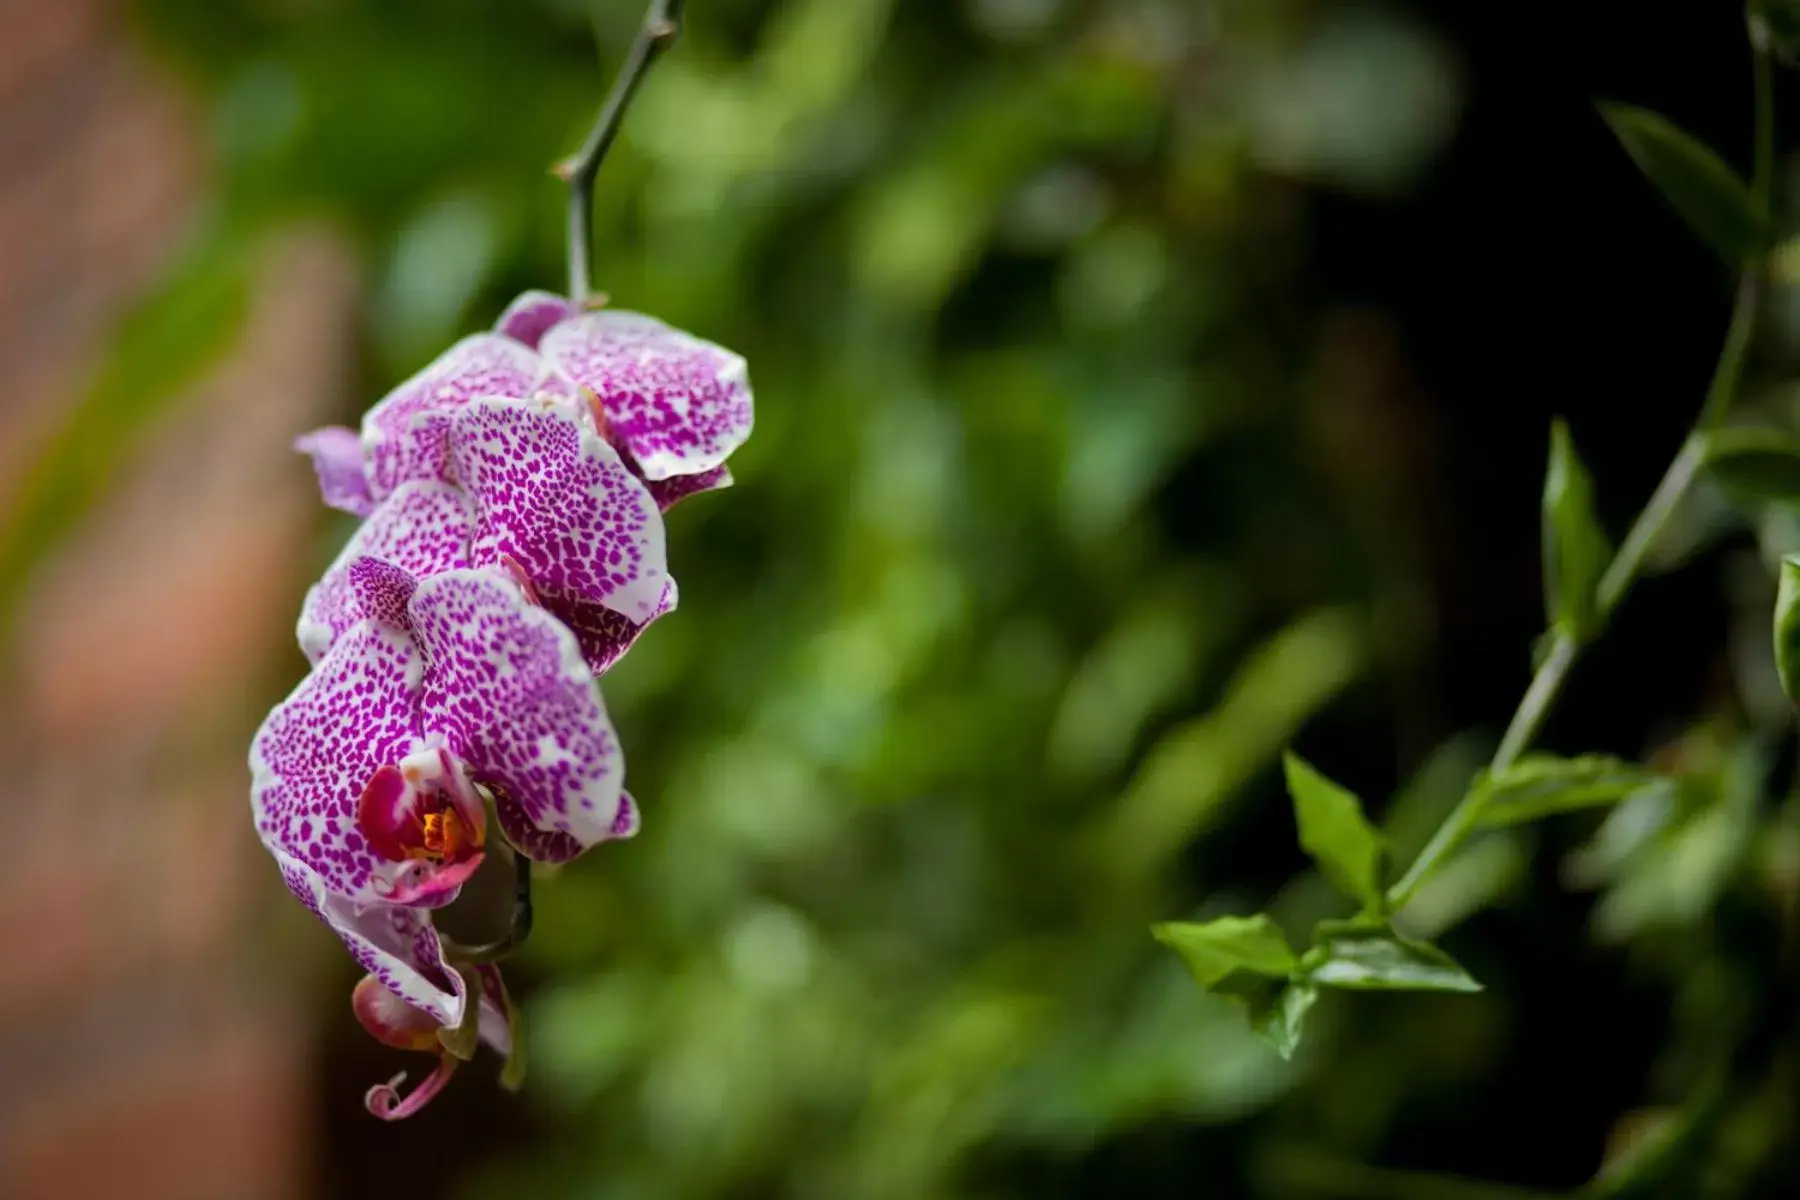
[
  {"x": 426, "y": 816},
  {"x": 418, "y": 885}
]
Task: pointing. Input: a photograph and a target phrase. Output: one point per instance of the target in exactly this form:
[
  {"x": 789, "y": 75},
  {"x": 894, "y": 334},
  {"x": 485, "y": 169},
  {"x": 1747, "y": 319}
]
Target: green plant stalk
[
  {"x": 662, "y": 24},
  {"x": 1628, "y": 563}
]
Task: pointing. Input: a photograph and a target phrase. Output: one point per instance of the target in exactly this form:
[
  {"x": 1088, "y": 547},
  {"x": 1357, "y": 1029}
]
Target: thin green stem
[
  {"x": 1626, "y": 565},
  {"x": 662, "y": 24},
  {"x": 1737, "y": 341},
  {"x": 1553, "y": 672}
]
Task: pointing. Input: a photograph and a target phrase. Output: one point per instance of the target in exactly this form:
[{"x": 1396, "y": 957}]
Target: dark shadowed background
[{"x": 1143, "y": 386}]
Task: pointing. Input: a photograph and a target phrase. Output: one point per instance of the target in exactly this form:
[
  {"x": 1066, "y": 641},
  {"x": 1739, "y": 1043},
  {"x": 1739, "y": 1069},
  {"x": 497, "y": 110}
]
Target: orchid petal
[
  {"x": 398, "y": 946},
  {"x": 422, "y": 527},
  {"x": 626, "y": 824},
  {"x": 398, "y": 434},
  {"x": 495, "y": 1015},
  {"x": 318, "y": 749},
  {"x": 671, "y": 491},
  {"x": 532, "y": 314},
  {"x": 552, "y": 495},
  {"x": 506, "y": 686},
  {"x": 678, "y": 404},
  {"x": 382, "y": 589},
  {"x": 337, "y": 456},
  {"x": 604, "y": 635}
]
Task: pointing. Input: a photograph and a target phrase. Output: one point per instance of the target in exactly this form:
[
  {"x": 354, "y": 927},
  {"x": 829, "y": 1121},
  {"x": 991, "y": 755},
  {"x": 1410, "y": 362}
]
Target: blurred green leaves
[
  {"x": 988, "y": 646},
  {"x": 1575, "y": 547},
  {"x": 1709, "y": 196},
  {"x": 1193, "y": 772}
]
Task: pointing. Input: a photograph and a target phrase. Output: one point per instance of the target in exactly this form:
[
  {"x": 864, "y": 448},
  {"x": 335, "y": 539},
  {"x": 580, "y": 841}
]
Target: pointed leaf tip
[
  {"x": 1334, "y": 831},
  {"x": 1575, "y": 547},
  {"x": 1710, "y": 197}
]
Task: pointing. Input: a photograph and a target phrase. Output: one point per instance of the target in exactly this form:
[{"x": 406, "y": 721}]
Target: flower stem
[
  {"x": 1626, "y": 565},
  {"x": 662, "y": 23}
]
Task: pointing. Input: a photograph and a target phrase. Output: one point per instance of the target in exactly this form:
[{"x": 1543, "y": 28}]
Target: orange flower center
[{"x": 443, "y": 836}]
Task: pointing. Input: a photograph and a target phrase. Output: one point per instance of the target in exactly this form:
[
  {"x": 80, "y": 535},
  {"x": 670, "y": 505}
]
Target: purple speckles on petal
[
  {"x": 626, "y": 824},
  {"x": 678, "y": 404},
  {"x": 337, "y": 456},
  {"x": 507, "y": 688},
  {"x": 398, "y": 435},
  {"x": 382, "y": 590},
  {"x": 317, "y": 750},
  {"x": 604, "y": 635},
  {"x": 423, "y": 527},
  {"x": 396, "y": 945},
  {"x": 668, "y": 492},
  {"x": 551, "y": 494},
  {"x": 532, "y": 314}
]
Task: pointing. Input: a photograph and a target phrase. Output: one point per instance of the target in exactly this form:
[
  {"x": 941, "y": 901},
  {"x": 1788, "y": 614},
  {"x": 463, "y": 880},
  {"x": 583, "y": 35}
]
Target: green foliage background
[{"x": 1032, "y": 572}]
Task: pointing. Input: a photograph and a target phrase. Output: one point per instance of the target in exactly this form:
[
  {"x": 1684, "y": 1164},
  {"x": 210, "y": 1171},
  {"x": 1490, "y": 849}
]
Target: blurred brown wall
[{"x": 146, "y": 1044}]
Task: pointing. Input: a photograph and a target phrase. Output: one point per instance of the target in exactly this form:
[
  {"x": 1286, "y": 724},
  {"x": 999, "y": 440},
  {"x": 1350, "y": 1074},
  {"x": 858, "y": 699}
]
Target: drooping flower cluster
[{"x": 511, "y": 551}]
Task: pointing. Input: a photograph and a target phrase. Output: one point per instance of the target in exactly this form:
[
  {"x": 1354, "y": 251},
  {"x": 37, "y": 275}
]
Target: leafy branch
[
  {"x": 1249, "y": 958},
  {"x": 1734, "y": 219}
]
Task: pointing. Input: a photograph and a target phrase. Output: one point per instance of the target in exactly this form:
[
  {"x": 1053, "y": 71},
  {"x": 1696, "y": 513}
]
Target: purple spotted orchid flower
[
  {"x": 673, "y": 405},
  {"x": 371, "y": 782},
  {"x": 512, "y": 551},
  {"x": 538, "y": 493}
]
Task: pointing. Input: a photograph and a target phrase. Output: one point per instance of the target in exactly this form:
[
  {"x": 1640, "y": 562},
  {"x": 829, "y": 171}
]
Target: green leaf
[
  {"x": 1218, "y": 948},
  {"x": 1275, "y": 1008},
  {"x": 1787, "y": 627},
  {"x": 1756, "y": 464},
  {"x": 1575, "y": 550},
  {"x": 1709, "y": 196},
  {"x": 1280, "y": 1021},
  {"x": 1382, "y": 960},
  {"x": 1334, "y": 831},
  {"x": 1538, "y": 785}
]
